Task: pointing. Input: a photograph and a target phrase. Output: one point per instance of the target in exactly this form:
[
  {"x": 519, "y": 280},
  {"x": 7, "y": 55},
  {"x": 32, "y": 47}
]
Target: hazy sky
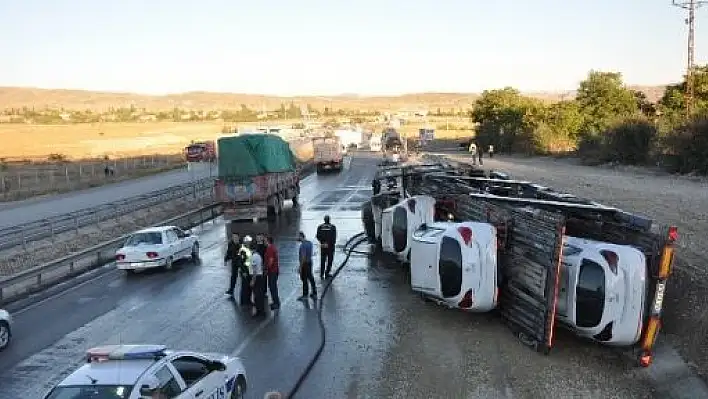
[{"x": 339, "y": 46}]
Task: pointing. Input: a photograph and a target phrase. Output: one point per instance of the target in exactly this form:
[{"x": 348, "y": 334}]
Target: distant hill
[{"x": 17, "y": 97}]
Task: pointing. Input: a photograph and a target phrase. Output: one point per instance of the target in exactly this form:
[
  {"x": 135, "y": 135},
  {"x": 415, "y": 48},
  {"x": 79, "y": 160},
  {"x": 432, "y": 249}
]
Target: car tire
[
  {"x": 239, "y": 391},
  {"x": 195, "y": 252},
  {"x": 5, "y": 335},
  {"x": 169, "y": 263}
]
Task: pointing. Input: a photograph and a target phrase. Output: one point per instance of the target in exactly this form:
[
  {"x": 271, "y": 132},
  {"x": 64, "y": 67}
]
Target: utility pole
[{"x": 691, "y": 6}]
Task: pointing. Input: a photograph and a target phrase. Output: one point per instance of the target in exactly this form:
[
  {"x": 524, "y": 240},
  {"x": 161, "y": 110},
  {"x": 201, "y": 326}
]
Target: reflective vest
[{"x": 247, "y": 260}]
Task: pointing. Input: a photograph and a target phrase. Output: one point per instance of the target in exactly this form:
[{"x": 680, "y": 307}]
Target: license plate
[
  {"x": 138, "y": 264},
  {"x": 659, "y": 297}
]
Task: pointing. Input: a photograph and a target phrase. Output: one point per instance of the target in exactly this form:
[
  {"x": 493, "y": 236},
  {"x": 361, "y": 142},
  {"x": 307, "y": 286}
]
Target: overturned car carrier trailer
[{"x": 532, "y": 223}]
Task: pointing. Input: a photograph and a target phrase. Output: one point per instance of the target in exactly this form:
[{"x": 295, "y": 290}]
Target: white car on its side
[
  {"x": 151, "y": 371},
  {"x": 400, "y": 220},
  {"x": 602, "y": 291},
  {"x": 156, "y": 247},
  {"x": 455, "y": 264},
  {"x": 5, "y": 329}
]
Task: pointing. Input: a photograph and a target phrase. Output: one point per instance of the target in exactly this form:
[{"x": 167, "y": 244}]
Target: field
[{"x": 22, "y": 141}]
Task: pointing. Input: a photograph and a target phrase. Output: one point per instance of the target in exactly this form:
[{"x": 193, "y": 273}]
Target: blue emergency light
[{"x": 125, "y": 352}]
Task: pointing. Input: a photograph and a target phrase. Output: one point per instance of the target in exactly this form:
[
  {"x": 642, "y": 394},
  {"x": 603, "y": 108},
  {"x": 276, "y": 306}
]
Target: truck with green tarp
[{"x": 257, "y": 173}]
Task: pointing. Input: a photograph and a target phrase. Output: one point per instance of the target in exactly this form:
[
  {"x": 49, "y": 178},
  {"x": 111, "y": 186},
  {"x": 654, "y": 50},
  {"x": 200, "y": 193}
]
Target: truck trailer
[{"x": 257, "y": 174}]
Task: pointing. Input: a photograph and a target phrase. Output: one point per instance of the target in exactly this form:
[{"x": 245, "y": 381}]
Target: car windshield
[
  {"x": 91, "y": 392},
  {"x": 152, "y": 238},
  {"x": 590, "y": 294}
]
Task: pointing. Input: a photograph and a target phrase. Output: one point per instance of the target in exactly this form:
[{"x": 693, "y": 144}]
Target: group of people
[
  {"x": 257, "y": 264},
  {"x": 477, "y": 153}
]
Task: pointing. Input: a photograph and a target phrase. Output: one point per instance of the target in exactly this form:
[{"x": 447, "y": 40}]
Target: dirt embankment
[{"x": 669, "y": 200}]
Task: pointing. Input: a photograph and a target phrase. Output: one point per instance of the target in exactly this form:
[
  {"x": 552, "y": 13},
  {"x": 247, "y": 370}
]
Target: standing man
[
  {"x": 480, "y": 153},
  {"x": 258, "y": 282},
  {"x": 247, "y": 272},
  {"x": 327, "y": 236},
  {"x": 491, "y": 151},
  {"x": 306, "y": 267},
  {"x": 261, "y": 244},
  {"x": 234, "y": 255},
  {"x": 272, "y": 270},
  {"x": 473, "y": 152}
]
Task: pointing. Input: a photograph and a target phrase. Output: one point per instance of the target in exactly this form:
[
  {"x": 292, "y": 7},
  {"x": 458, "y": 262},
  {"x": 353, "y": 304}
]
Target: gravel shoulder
[{"x": 669, "y": 200}]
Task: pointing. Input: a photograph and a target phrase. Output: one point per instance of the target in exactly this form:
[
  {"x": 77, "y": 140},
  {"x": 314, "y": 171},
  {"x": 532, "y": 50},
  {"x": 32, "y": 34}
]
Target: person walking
[
  {"x": 473, "y": 152},
  {"x": 258, "y": 282},
  {"x": 491, "y": 151},
  {"x": 233, "y": 255},
  {"x": 480, "y": 153},
  {"x": 272, "y": 267},
  {"x": 306, "y": 276},
  {"x": 246, "y": 272},
  {"x": 327, "y": 236}
]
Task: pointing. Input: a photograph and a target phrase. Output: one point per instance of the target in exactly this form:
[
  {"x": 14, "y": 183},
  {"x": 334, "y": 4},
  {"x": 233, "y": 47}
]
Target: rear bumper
[
  {"x": 245, "y": 212},
  {"x": 140, "y": 265}
]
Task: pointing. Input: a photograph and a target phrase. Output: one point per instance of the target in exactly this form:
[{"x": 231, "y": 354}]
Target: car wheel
[
  {"x": 195, "y": 251},
  {"x": 239, "y": 391},
  {"x": 5, "y": 335},
  {"x": 169, "y": 263}
]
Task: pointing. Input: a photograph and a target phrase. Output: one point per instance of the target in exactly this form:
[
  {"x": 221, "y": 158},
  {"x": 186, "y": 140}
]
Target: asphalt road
[
  {"x": 14, "y": 213},
  {"x": 382, "y": 340}
]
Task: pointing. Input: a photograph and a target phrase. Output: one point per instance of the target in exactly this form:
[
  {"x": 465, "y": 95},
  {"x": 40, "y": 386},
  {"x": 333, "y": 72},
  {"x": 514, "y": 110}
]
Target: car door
[
  {"x": 201, "y": 383},
  {"x": 424, "y": 261},
  {"x": 172, "y": 243},
  {"x": 183, "y": 243},
  {"x": 170, "y": 385}
]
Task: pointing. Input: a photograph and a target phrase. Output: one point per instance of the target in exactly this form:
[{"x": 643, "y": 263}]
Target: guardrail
[
  {"x": 47, "y": 228},
  {"x": 39, "y": 277}
]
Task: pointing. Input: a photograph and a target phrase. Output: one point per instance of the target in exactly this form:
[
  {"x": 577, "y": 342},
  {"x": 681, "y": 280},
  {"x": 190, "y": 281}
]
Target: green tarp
[{"x": 253, "y": 155}]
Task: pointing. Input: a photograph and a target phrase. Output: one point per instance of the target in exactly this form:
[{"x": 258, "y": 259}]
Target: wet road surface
[
  {"x": 14, "y": 213},
  {"x": 382, "y": 340}
]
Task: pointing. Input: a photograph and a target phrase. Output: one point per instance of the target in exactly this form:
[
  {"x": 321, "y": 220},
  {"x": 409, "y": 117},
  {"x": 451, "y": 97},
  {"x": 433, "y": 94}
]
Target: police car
[
  {"x": 5, "y": 329},
  {"x": 151, "y": 371}
]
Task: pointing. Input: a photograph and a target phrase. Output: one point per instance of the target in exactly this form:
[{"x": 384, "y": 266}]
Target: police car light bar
[{"x": 125, "y": 352}]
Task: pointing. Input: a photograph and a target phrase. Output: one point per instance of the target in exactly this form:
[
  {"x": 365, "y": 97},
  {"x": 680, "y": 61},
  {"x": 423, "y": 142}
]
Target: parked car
[
  {"x": 157, "y": 247},
  {"x": 398, "y": 221},
  {"x": 5, "y": 329}
]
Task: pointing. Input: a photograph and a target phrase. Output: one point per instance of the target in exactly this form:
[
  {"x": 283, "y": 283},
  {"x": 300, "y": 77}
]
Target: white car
[
  {"x": 5, "y": 329},
  {"x": 151, "y": 371},
  {"x": 400, "y": 220},
  {"x": 455, "y": 264},
  {"x": 602, "y": 291},
  {"x": 156, "y": 247}
]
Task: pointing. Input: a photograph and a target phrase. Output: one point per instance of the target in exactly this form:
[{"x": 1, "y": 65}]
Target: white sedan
[
  {"x": 156, "y": 247},
  {"x": 5, "y": 329},
  {"x": 455, "y": 264},
  {"x": 151, "y": 371},
  {"x": 602, "y": 291}
]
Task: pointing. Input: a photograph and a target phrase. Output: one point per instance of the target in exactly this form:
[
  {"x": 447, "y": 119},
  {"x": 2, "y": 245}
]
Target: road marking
[{"x": 263, "y": 324}]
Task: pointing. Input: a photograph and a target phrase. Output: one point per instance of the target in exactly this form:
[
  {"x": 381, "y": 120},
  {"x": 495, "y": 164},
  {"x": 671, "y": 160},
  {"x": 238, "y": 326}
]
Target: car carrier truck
[{"x": 257, "y": 174}]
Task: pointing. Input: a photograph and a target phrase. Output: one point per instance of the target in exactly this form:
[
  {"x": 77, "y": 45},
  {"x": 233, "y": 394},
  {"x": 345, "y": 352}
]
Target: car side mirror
[{"x": 217, "y": 366}]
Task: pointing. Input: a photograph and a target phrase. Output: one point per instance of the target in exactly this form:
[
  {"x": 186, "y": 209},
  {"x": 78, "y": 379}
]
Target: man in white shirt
[{"x": 258, "y": 282}]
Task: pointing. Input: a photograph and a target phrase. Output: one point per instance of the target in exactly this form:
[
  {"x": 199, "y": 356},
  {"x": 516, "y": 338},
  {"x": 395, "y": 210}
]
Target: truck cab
[
  {"x": 399, "y": 221},
  {"x": 455, "y": 264},
  {"x": 602, "y": 291}
]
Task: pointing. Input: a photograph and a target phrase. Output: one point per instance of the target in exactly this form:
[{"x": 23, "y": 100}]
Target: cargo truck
[
  {"x": 257, "y": 174},
  {"x": 328, "y": 153}
]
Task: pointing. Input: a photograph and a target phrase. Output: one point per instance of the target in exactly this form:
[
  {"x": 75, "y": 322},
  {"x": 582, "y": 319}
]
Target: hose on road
[{"x": 349, "y": 249}]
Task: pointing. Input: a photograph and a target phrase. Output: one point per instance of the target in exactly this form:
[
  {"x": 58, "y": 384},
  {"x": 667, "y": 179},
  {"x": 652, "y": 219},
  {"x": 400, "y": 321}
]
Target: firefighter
[
  {"x": 327, "y": 236},
  {"x": 246, "y": 272}
]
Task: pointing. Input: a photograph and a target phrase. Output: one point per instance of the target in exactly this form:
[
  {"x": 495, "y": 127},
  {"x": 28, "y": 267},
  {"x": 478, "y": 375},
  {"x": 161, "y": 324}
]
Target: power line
[{"x": 691, "y": 6}]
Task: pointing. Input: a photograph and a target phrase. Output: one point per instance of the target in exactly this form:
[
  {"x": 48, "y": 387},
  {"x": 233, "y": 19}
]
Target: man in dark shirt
[
  {"x": 327, "y": 236},
  {"x": 306, "y": 276},
  {"x": 234, "y": 255},
  {"x": 272, "y": 271}
]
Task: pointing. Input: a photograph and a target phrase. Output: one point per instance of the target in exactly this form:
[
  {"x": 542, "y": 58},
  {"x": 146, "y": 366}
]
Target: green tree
[{"x": 603, "y": 98}]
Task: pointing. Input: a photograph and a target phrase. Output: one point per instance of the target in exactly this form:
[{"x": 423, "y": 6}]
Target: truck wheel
[
  {"x": 278, "y": 205},
  {"x": 295, "y": 201}
]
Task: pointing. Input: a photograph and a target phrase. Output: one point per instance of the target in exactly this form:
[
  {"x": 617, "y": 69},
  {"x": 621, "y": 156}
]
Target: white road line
[{"x": 263, "y": 324}]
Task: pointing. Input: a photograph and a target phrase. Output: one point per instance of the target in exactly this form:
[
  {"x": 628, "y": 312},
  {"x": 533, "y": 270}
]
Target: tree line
[{"x": 605, "y": 122}]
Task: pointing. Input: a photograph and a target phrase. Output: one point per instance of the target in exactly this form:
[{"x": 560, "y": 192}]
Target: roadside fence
[{"x": 20, "y": 179}]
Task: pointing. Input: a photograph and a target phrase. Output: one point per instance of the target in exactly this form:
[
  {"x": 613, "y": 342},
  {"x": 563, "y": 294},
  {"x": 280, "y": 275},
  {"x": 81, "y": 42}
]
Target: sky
[{"x": 369, "y": 47}]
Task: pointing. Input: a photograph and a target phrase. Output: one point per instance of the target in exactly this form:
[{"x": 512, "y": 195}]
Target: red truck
[{"x": 202, "y": 151}]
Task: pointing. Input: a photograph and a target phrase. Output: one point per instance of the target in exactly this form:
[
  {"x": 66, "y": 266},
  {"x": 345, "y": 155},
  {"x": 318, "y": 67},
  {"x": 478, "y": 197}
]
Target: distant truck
[
  {"x": 201, "y": 151},
  {"x": 257, "y": 174},
  {"x": 328, "y": 153}
]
